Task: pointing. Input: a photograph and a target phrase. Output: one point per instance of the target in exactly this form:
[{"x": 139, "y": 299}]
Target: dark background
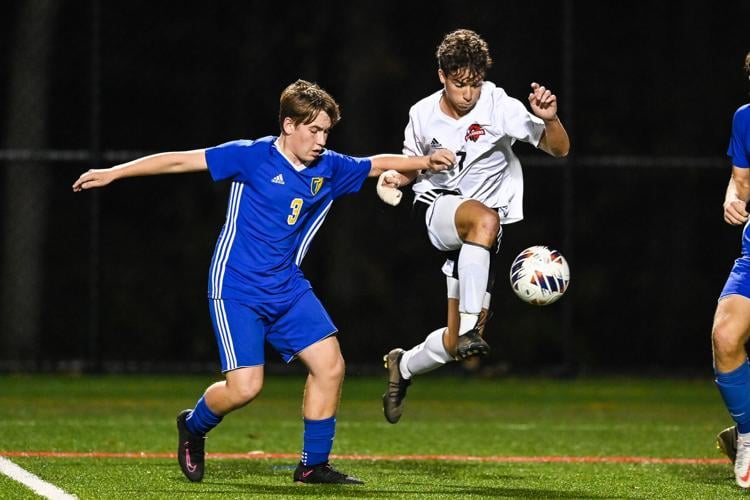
[{"x": 116, "y": 279}]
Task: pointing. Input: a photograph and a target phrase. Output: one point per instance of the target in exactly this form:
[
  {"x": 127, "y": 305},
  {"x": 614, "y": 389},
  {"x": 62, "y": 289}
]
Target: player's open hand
[
  {"x": 94, "y": 178},
  {"x": 735, "y": 212},
  {"x": 543, "y": 102},
  {"x": 440, "y": 160}
]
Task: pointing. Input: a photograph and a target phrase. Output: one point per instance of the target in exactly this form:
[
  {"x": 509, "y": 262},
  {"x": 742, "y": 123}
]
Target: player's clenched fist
[
  {"x": 440, "y": 160},
  {"x": 735, "y": 212}
]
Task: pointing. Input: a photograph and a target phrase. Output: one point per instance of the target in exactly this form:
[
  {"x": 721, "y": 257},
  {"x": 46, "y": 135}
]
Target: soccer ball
[{"x": 539, "y": 275}]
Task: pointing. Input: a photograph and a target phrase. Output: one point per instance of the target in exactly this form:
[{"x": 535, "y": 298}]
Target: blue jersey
[
  {"x": 739, "y": 144},
  {"x": 273, "y": 214},
  {"x": 739, "y": 151}
]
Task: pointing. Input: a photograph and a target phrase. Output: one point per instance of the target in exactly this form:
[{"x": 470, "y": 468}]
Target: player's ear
[
  {"x": 288, "y": 126},
  {"x": 441, "y": 75}
]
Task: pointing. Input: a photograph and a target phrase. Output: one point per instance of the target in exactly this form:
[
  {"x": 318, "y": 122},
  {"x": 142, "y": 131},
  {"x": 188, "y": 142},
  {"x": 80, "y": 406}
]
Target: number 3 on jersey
[{"x": 296, "y": 206}]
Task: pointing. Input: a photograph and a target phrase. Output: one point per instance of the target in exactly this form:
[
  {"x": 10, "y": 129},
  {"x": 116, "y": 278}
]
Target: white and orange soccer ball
[{"x": 539, "y": 275}]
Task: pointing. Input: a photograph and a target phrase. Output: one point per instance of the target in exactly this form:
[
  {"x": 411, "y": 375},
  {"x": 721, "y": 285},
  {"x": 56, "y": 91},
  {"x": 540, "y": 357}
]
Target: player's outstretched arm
[
  {"x": 543, "y": 104},
  {"x": 440, "y": 160},
  {"x": 389, "y": 183},
  {"x": 394, "y": 171},
  {"x": 162, "y": 163},
  {"x": 737, "y": 196}
]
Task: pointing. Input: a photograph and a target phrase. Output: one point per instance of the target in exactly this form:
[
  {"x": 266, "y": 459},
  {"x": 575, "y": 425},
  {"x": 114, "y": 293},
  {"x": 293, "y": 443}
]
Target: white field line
[{"x": 36, "y": 484}]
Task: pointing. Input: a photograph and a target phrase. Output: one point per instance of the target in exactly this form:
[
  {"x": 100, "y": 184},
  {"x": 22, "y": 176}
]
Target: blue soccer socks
[
  {"x": 201, "y": 419},
  {"x": 318, "y": 440},
  {"x": 734, "y": 387}
]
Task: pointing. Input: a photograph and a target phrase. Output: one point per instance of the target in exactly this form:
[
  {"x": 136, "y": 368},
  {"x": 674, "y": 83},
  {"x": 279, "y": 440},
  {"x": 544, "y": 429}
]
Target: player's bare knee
[
  {"x": 244, "y": 393},
  {"x": 727, "y": 341},
  {"x": 338, "y": 369},
  {"x": 485, "y": 228},
  {"x": 332, "y": 372},
  {"x": 491, "y": 223}
]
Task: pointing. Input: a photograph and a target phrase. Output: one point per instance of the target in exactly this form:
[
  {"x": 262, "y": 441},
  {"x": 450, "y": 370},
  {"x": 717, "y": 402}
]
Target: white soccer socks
[
  {"x": 473, "y": 273},
  {"x": 425, "y": 357},
  {"x": 742, "y": 461},
  {"x": 473, "y": 270}
]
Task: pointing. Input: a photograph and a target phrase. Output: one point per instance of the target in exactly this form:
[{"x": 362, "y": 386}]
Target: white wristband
[{"x": 389, "y": 195}]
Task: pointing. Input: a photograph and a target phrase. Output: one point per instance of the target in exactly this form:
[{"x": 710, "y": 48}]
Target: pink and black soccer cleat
[
  {"x": 190, "y": 449},
  {"x": 322, "y": 474}
]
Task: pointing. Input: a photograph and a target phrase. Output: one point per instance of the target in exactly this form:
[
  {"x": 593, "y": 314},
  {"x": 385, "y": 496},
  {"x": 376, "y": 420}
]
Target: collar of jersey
[
  {"x": 298, "y": 168},
  {"x": 444, "y": 116}
]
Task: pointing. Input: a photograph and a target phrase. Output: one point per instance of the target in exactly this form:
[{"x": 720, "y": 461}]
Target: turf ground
[{"x": 113, "y": 437}]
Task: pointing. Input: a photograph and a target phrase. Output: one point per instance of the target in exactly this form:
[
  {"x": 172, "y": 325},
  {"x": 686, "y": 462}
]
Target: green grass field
[{"x": 672, "y": 419}]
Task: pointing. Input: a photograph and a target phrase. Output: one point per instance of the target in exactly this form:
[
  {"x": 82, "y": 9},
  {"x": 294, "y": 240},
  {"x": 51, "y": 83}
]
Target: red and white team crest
[
  {"x": 474, "y": 132},
  {"x": 315, "y": 185}
]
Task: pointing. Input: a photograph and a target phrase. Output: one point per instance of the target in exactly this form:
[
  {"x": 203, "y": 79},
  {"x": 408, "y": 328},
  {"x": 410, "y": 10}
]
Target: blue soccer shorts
[
  {"x": 289, "y": 327},
  {"x": 738, "y": 282}
]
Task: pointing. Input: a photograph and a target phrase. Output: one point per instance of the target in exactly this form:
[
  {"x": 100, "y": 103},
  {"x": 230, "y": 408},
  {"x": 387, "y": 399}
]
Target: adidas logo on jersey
[
  {"x": 279, "y": 179},
  {"x": 435, "y": 144}
]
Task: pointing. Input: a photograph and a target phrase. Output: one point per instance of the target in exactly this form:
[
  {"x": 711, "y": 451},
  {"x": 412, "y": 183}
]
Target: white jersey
[{"x": 487, "y": 169}]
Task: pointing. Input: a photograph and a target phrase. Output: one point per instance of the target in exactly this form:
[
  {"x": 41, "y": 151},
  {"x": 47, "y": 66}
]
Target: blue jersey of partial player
[
  {"x": 739, "y": 151},
  {"x": 273, "y": 214}
]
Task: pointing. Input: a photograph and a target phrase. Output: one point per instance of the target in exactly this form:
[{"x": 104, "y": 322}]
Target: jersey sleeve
[
  {"x": 738, "y": 143},
  {"x": 348, "y": 173},
  {"x": 226, "y": 161},
  {"x": 520, "y": 124},
  {"x": 411, "y": 141}
]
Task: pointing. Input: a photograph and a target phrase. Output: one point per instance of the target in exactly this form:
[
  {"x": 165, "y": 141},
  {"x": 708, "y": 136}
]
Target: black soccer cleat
[
  {"x": 471, "y": 344},
  {"x": 190, "y": 449},
  {"x": 393, "y": 399},
  {"x": 322, "y": 474},
  {"x": 726, "y": 442}
]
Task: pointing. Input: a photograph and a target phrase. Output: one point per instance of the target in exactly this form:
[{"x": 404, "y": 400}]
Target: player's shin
[
  {"x": 473, "y": 272},
  {"x": 734, "y": 387},
  {"x": 317, "y": 440},
  {"x": 425, "y": 357},
  {"x": 202, "y": 419}
]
